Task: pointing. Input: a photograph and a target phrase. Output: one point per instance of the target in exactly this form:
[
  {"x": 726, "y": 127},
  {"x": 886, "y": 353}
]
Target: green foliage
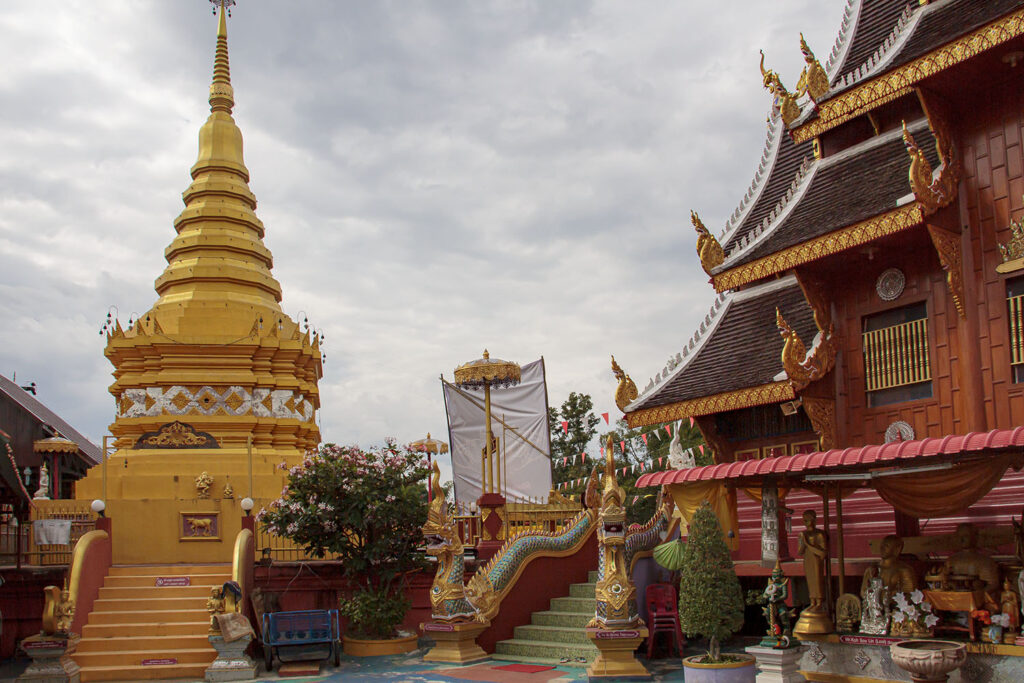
[
  {"x": 365, "y": 510},
  {"x": 577, "y": 410},
  {"x": 374, "y": 612},
  {"x": 710, "y": 597}
]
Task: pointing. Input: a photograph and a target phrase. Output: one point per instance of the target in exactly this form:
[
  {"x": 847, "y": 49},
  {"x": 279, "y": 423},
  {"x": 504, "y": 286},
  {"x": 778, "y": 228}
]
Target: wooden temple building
[{"x": 865, "y": 352}]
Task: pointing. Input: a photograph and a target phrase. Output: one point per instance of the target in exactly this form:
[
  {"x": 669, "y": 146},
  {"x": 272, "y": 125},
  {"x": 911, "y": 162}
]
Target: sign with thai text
[
  {"x": 159, "y": 662},
  {"x": 868, "y": 640},
  {"x": 614, "y": 635},
  {"x": 445, "y": 628},
  {"x": 162, "y": 581}
]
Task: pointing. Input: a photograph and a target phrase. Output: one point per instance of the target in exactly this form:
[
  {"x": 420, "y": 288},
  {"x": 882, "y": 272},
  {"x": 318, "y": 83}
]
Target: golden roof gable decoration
[
  {"x": 1012, "y": 251},
  {"x": 709, "y": 250},
  {"x": 783, "y": 102},
  {"x": 626, "y": 391},
  {"x": 932, "y": 191},
  {"x": 813, "y": 79}
]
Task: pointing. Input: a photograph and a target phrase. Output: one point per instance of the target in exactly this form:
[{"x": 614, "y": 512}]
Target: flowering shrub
[{"x": 365, "y": 509}]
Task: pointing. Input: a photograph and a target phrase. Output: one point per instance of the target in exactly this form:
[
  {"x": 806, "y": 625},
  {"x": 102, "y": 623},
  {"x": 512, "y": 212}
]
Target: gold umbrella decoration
[
  {"x": 487, "y": 372},
  {"x": 429, "y": 446}
]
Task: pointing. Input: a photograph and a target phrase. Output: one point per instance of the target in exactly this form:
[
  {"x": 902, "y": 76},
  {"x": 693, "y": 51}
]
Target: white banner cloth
[{"x": 525, "y": 443}]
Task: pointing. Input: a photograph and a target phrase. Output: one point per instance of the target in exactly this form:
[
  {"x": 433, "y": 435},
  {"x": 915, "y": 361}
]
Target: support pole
[
  {"x": 488, "y": 486},
  {"x": 839, "y": 540}
]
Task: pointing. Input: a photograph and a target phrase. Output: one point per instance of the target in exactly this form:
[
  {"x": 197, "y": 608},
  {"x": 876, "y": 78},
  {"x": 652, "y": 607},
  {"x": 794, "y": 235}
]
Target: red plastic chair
[{"x": 663, "y": 615}]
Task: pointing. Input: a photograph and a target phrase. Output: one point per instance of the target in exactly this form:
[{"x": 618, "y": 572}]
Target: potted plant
[
  {"x": 711, "y": 602},
  {"x": 364, "y": 509}
]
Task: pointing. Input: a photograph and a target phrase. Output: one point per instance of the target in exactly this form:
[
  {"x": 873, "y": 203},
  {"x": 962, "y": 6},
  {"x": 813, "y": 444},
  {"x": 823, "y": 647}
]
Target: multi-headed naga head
[{"x": 439, "y": 531}]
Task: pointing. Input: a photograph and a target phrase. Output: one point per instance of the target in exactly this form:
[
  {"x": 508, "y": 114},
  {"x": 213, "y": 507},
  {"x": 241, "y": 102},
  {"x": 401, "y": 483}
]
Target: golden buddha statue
[
  {"x": 813, "y": 548},
  {"x": 897, "y": 575},
  {"x": 968, "y": 561}
]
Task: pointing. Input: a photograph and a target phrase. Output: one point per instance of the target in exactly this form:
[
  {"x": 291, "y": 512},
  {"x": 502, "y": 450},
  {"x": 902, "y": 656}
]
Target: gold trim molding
[
  {"x": 832, "y": 243},
  {"x": 774, "y": 392},
  {"x": 901, "y": 81}
]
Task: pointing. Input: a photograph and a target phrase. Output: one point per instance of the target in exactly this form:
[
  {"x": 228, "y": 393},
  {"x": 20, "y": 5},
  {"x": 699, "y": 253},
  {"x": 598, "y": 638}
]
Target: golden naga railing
[
  {"x": 1016, "y": 329},
  {"x": 78, "y": 512},
  {"x": 897, "y": 356}
]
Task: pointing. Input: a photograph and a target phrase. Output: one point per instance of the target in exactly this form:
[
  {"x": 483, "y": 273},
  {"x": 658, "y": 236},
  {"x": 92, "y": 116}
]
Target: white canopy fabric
[{"x": 524, "y": 438}]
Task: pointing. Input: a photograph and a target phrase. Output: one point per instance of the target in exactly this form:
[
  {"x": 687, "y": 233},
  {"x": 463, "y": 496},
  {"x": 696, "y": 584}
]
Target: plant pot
[
  {"x": 742, "y": 671},
  {"x": 357, "y": 647},
  {"x": 928, "y": 661}
]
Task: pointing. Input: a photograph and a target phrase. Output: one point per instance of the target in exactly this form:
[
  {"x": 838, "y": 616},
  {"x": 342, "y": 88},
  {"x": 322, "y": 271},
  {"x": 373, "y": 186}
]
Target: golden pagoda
[{"x": 215, "y": 385}]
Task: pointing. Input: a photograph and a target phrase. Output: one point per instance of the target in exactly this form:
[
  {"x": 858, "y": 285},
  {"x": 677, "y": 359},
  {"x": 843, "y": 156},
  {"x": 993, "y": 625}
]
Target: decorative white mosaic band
[{"x": 207, "y": 400}]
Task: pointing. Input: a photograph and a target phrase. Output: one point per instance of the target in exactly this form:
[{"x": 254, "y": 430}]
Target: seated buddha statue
[
  {"x": 897, "y": 576},
  {"x": 969, "y": 561}
]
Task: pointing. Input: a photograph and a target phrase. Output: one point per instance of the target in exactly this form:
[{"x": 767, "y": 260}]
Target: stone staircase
[
  {"x": 139, "y": 630},
  {"x": 556, "y": 633}
]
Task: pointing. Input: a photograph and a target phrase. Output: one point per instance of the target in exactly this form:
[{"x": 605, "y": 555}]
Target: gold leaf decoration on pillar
[
  {"x": 626, "y": 392},
  {"x": 822, "y": 414},
  {"x": 709, "y": 250},
  {"x": 947, "y": 244},
  {"x": 803, "y": 367},
  {"x": 813, "y": 79}
]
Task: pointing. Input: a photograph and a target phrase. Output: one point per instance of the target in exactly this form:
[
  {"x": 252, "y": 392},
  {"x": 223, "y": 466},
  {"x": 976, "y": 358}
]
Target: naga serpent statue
[{"x": 447, "y": 596}]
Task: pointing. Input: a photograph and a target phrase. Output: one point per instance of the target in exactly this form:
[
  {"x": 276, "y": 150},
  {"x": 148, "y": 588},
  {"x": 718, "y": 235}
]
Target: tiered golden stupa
[{"x": 213, "y": 365}]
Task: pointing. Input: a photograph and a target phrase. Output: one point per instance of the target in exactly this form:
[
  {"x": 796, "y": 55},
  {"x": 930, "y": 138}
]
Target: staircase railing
[
  {"x": 90, "y": 562},
  {"x": 243, "y": 560}
]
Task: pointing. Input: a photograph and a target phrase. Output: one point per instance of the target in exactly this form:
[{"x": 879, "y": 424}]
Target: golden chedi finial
[
  {"x": 709, "y": 250},
  {"x": 626, "y": 391},
  {"x": 783, "y": 102},
  {"x": 222, "y": 95},
  {"x": 813, "y": 79}
]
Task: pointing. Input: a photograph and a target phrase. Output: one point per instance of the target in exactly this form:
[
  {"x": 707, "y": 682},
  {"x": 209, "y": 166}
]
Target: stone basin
[{"x": 928, "y": 661}]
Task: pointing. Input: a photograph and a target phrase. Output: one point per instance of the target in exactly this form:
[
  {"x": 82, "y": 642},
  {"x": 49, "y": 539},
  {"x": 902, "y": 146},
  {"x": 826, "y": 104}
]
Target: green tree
[
  {"x": 578, "y": 411},
  {"x": 710, "y": 598}
]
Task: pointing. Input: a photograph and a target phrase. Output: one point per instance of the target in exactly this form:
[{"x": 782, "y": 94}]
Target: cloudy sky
[{"x": 435, "y": 177}]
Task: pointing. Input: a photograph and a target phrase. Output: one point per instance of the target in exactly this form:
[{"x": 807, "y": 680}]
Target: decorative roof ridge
[
  {"x": 45, "y": 415},
  {"x": 719, "y": 308},
  {"x": 887, "y": 49},
  {"x": 676, "y": 364},
  {"x": 771, "y": 151},
  {"x": 844, "y": 39},
  {"x": 797, "y": 188}
]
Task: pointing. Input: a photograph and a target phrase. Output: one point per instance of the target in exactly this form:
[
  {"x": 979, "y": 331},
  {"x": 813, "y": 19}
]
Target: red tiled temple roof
[{"x": 859, "y": 459}]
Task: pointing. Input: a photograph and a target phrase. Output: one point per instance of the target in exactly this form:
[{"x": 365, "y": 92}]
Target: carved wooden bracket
[
  {"x": 933, "y": 191},
  {"x": 947, "y": 245},
  {"x": 822, "y": 413}
]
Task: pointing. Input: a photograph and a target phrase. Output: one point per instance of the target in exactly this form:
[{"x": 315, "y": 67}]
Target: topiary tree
[{"x": 710, "y": 598}]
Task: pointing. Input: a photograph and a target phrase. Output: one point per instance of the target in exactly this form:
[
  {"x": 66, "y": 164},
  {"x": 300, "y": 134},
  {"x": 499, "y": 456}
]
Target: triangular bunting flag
[
  {"x": 644, "y": 437},
  {"x": 668, "y": 428},
  {"x": 622, "y": 445},
  {"x": 565, "y": 426},
  {"x": 605, "y": 416},
  {"x": 659, "y": 460},
  {"x": 691, "y": 423}
]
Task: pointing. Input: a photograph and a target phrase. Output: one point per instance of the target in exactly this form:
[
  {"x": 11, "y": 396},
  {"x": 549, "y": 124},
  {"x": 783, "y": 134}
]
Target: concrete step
[
  {"x": 149, "y": 581},
  {"x": 144, "y": 604},
  {"x": 574, "y": 605},
  {"x": 168, "y": 569},
  {"x": 570, "y": 619},
  {"x": 540, "y": 660},
  {"x": 136, "y": 657},
  {"x": 582, "y": 590},
  {"x": 153, "y": 630},
  {"x": 151, "y": 592},
  {"x": 147, "y": 617},
  {"x": 546, "y": 652},
  {"x": 551, "y": 634},
  {"x": 128, "y": 641},
  {"x": 193, "y": 672}
]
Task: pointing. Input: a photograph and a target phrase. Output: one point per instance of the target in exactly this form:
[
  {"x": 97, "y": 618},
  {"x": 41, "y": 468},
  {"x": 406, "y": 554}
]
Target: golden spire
[{"x": 218, "y": 258}]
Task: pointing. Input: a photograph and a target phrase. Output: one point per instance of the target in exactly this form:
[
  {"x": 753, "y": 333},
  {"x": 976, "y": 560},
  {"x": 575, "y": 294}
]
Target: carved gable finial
[
  {"x": 626, "y": 392},
  {"x": 709, "y": 250},
  {"x": 813, "y": 79},
  {"x": 783, "y": 102}
]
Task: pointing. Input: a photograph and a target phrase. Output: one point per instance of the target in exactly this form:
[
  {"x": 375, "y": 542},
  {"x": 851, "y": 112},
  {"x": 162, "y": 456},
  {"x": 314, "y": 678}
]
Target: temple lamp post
[
  {"x": 484, "y": 373},
  {"x": 429, "y": 446}
]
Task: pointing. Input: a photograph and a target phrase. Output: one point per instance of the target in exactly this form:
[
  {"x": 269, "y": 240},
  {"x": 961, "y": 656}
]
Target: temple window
[
  {"x": 896, "y": 361},
  {"x": 1015, "y": 303}
]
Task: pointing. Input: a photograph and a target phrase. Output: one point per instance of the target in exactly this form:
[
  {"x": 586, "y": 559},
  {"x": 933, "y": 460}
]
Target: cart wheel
[
  {"x": 336, "y": 647},
  {"x": 268, "y": 657}
]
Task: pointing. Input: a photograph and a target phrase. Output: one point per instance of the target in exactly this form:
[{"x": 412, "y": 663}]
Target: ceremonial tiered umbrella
[
  {"x": 429, "y": 446},
  {"x": 54, "y": 447},
  {"x": 485, "y": 373}
]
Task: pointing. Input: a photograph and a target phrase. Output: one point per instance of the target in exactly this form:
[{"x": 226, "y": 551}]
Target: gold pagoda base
[
  {"x": 617, "y": 659},
  {"x": 813, "y": 623},
  {"x": 456, "y": 643}
]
